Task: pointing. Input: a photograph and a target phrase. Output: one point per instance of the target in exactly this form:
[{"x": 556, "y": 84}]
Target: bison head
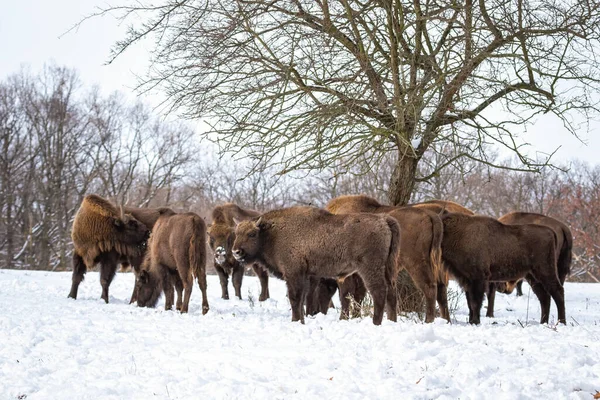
[
  {"x": 248, "y": 239},
  {"x": 220, "y": 240},
  {"x": 131, "y": 231},
  {"x": 147, "y": 288}
]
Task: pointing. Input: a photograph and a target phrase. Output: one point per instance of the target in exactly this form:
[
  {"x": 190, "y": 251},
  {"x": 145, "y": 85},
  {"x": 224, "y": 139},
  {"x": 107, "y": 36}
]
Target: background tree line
[{"x": 61, "y": 140}]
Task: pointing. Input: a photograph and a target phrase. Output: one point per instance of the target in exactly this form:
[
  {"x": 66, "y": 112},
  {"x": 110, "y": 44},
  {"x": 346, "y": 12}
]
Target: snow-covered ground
[{"x": 52, "y": 347}]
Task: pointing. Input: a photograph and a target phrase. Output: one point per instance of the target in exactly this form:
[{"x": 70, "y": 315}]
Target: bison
[
  {"x": 148, "y": 217},
  {"x": 103, "y": 235},
  {"x": 478, "y": 249},
  {"x": 420, "y": 254},
  {"x": 299, "y": 242},
  {"x": 176, "y": 255},
  {"x": 564, "y": 247},
  {"x": 221, "y": 235}
]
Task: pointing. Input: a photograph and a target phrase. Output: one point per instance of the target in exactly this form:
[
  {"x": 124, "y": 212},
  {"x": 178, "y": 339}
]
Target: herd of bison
[{"x": 354, "y": 245}]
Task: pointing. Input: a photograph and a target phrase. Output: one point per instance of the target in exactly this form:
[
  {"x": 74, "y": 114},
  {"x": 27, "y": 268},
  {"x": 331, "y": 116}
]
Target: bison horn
[
  {"x": 257, "y": 223},
  {"x": 122, "y": 213}
]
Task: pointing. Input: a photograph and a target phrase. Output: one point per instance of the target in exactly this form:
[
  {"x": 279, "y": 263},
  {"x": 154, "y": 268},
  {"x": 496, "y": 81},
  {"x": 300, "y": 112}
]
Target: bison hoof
[
  {"x": 225, "y": 297},
  {"x": 204, "y": 309},
  {"x": 263, "y": 297}
]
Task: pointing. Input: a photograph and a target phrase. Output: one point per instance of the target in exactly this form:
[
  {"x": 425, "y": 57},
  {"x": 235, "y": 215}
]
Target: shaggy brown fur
[
  {"x": 564, "y": 248},
  {"x": 447, "y": 206},
  {"x": 221, "y": 234},
  {"x": 420, "y": 254},
  {"x": 478, "y": 249},
  {"x": 102, "y": 235},
  {"x": 319, "y": 294},
  {"x": 177, "y": 251},
  {"x": 298, "y": 242},
  {"x": 148, "y": 217}
]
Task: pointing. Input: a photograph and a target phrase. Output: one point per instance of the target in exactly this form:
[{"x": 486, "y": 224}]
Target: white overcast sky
[{"x": 29, "y": 36}]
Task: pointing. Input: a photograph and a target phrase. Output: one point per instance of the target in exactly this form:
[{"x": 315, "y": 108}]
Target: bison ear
[{"x": 143, "y": 277}]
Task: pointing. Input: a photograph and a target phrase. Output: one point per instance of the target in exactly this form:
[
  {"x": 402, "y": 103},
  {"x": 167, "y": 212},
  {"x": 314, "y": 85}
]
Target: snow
[{"x": 52, "y": 347}]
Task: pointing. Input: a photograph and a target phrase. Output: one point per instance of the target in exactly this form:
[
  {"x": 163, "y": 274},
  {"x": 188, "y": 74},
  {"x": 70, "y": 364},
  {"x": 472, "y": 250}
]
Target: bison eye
[{"x": 252, "y": 234}]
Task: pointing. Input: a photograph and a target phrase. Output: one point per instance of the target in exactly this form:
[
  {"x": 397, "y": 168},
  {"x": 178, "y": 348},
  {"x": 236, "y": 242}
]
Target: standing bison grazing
[
  {"x": 221, "y": 235},
  {"x": 176, "y": 255},
  {"x": 477, "y": 249},
  {"x": 299, "y": 242},
  {"x": 102, "y": 235},
  {"x": 420, "y": 255}
]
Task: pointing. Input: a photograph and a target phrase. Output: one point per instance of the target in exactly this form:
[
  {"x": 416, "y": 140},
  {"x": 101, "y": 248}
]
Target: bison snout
[
  {"x": 238, "y": 254},
  {"x": 220, "y": 255}
]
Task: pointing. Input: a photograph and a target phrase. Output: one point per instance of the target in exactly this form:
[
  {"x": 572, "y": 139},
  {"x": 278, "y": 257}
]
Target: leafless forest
[{"x": 61, "y": 140}]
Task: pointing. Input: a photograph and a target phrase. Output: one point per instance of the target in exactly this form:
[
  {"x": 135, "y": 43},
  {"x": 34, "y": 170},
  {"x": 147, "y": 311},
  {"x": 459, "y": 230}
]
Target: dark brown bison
[
  {"x": 478, "y": 249},
  {"x": 319, "y": 294},
  {"x": 437, "y": 206},
  {"x": 148, "y": 217},
  {"x": 420, "y": 253},
  {"x": 564, "y": 246},
  {"x": 176, "y": 255},
  {"x": 221, "y": 235},
  {"x": 298, "y": 242},
  {"x": 103, "y": 235}
]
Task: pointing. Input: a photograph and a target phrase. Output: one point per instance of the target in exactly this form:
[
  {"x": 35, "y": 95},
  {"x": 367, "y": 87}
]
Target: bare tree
[{"x": 309, "y": 84}]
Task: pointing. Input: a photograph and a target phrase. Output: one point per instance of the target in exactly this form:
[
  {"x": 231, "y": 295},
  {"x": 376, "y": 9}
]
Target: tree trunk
[{"x": 402, "y": 182}]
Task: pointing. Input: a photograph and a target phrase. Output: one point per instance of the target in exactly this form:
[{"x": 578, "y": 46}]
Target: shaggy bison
[
  {"x": 299, "y": 242},
  {"x": 148, "y": 217},
  {"x": 176, "y": 255},
  {"x": 221, "y": 235},
  {"x": 420, "y": 254},
  {"x": 102, "y": 235},
  {"x": 478, "y": 249},
  {"x": 564, "y": 247}
]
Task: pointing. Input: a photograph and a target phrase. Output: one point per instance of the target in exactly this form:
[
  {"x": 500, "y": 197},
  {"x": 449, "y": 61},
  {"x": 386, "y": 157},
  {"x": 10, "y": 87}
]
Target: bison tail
[
  {"x": 198, "y": 249},
  {"x": 435, "y": 252},
  {"x": 391, "y": 264},
  {"x": 566, "y": 254}
]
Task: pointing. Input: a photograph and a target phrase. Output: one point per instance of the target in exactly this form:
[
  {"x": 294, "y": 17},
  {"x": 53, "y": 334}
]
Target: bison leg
[
  {"x": 169, "y": 293},
  {"x": 237, "y": 276},
  {"x": 108, "y": 269},
  {"x": 297, "y": 288},
  {"x": 311, "y": 295},
  {"x": 179, "y": 289},
  {"x": 543, "y": 296},
  {"x": 377, "y": 287},
  {"x": 202, "y": 285},
  {"x": 136, "y": 263},
  {"x": 224, "y": 280},
  {"x": 442, "y": 299},
  {"x": 79, "y": 270},
  {"x": 263, "y": 277},
  {"x": 391, "y": 303},
  {"x": 520, "y": 288},
  {"x": 188, "y": 286},
  {"x": 491, "y": 297},
  {"x": 475, "y": 299}
]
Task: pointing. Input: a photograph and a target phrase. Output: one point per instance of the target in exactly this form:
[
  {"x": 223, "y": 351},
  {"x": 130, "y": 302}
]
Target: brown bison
[
  {"x": 564, "y": 246},
  {"x": 299, "y": 242},
  {"x": 102, "y": 235},
  {"x": 420, "y": 253},
  {"x": 447, "y": 206},
  {"x": 176, "y": 255},
  {"x": 319, "y": 294},
  {"x": 478, "y": 249},
  {"x": 221, "y": 235},
  {"x": 148, "y": 217}
]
